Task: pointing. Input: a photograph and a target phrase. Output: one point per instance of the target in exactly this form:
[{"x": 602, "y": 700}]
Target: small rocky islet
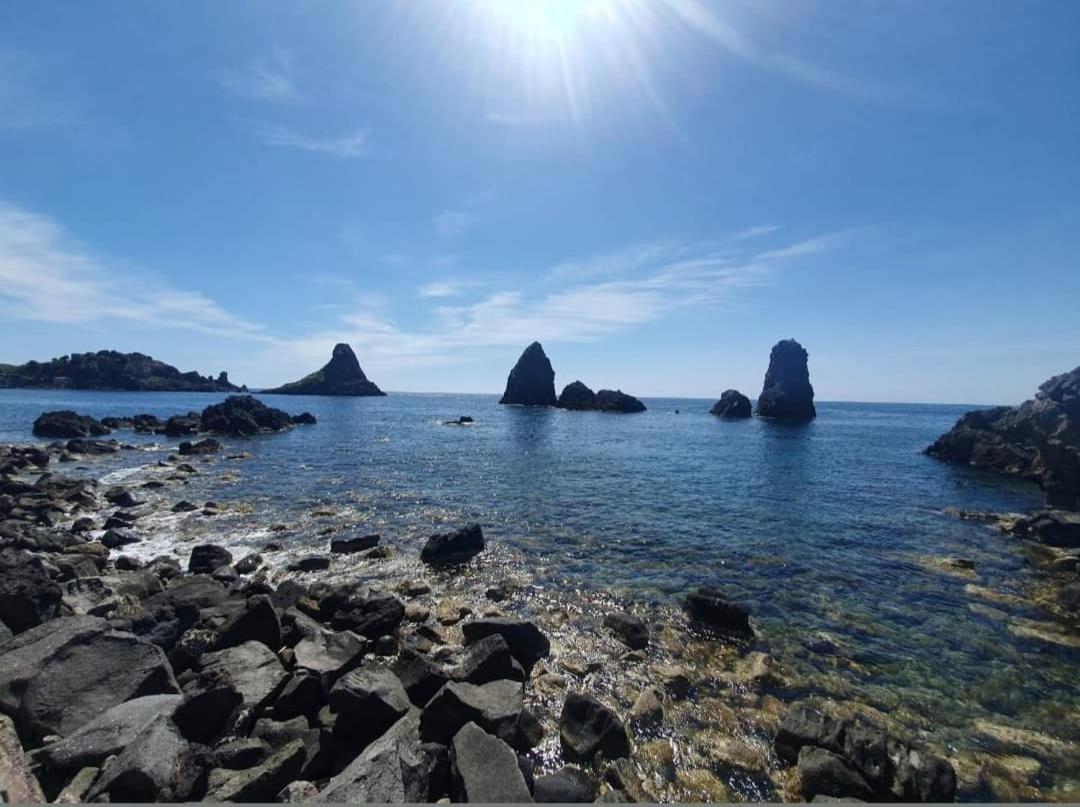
[
  {"x": 532, "y": 383},
  {"x": 276, "y": 676}
]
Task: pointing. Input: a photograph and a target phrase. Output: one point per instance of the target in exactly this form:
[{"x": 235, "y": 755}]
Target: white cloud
[
  {"x": 353, "y": 144},
  {"x": 45, "y": 276},
  {"x": 267, "y": 79},
  {"x": 446, "y": 288},
  {"x": 451, "y": 223},
  {"x": 755, "y": 232},
  {"x": 807, "y": 247}
]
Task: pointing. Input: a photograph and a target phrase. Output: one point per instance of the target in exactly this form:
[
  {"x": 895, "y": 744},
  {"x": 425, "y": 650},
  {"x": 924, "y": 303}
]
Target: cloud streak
[
  {"x": 267, "y": 79},
  {"x": 350, "y": 145},
  {"x": 45, "y": 276}
]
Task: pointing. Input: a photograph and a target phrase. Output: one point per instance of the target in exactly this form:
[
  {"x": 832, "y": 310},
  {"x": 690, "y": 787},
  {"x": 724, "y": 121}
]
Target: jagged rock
[
  {"x": 257, "y": 622},
  {"x": 249, "y": 564},
  {"x": 310, "y": 563},
  {"x": 301, "y": 697},
  {"x": 787, "y": 393},
  {"x": 804, "y": 726},
  {"x": 485, "y": 769},
  {"x": 28, "y": 596},
  {"x": 122, "y": 497},
  {"x": 822, "y": 772},
  {"x": 396, "y": 768},
  {"x": 355, "y": 544},
  {"x": 567, "y": 785},
  {"x": 304, "y": 419},
  {"x": 453, "y": 547},
  {"x": 298, "y": 792},
  {"x": 372, "y": 616},
  {"x": 579, "y": 397},
  {"x": 525, "y": 640},
  {"x": 253, "y": 669},
  {"x": 206, "y": 446},
  {"x": 488, "y": 659},
  {"x": 244, "y": 753},
  {"x": 1039, "y": 440},
  {"x": 243, "y": 415},
  {"x": 329, "y": 654},
  {"x": 496, "y": 707},
  {"x": 260, "y": 783},
  {"x": 340, "y": 376},
  {"x": 207, "y": 557},
  {"x": 158, "y": 765},
  {"x": 83, "y": 679},
  {"x": 76, "y": 790},
  {"x": 368, "y": 702},
  {"x": 588, "y": 727},
  {"x": 631, "y": 631},
  {"x": 420, "y": 677},
  {"x": 107, "y": 734},
  {"x": 732, "y": 404},
  {"x": 17, "y": 782},
  {"x": 109, "y": 370},
  {"x": 532, "y": 380},
  {"x": 64, "y": 424},
  {"x": 114, "y": 539},
  {"x": 710, "y": 607}
]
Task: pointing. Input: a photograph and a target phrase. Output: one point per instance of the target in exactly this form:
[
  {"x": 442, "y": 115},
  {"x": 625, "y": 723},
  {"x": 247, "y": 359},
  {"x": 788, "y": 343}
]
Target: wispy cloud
[
  {"x": 451, "y": 223},
  {"x": 446, "y": 288},
  {"x": 706, "y": 19},
  {"x": 808, "y": 246},
  {"x": 45, "y": 276},
  {"x": 267, "y": 79},
  {"x": 755, "y": 232},
  {"x": 352, "y": 144}
]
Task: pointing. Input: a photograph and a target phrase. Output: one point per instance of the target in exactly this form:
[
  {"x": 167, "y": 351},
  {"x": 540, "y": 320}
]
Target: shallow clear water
[{"x": 818, "y": 527}]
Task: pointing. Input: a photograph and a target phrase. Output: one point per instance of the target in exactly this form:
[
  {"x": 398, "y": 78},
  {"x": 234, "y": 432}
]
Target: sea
[{"x": 833, "y": 528}]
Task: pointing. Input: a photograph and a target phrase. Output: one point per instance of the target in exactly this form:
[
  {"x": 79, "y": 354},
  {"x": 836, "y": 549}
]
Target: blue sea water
[{"x": 823, "y": 526}]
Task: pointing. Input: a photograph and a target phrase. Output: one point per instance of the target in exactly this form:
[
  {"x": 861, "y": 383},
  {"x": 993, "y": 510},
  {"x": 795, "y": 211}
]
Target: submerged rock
[
  {"x": 710, "y": 607},
  {"x": 732, "y": 404},
  {"x": 453, "y": 547},
  {"x": 532, "y": 380},
  {"x": 787, "y": 393},
  {"x": 1038, "y": 440},
  {"x": 588, "y": 727},
  {"x": 340, "y": 376}
]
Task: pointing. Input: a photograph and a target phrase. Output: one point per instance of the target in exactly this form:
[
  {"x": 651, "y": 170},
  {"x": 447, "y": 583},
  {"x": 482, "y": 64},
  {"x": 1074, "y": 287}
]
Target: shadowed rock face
[
  {"x": 578, "y": 396},
  {"x": 110, "y": 370},
  {"x": 340, "y": 376},
  {"x": 1038, "y": 440},
  {"x": 532, "y": 381},
  {"x": 787, "y": 392},
  {"x": 732, "y": 404}
]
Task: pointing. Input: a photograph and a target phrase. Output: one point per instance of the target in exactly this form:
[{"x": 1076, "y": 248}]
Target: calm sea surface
[{"x": 818, "y": 527}]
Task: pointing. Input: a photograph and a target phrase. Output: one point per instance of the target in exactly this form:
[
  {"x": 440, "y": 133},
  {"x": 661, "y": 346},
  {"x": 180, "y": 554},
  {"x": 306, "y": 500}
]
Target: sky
[{"x": 657, "y": 190}]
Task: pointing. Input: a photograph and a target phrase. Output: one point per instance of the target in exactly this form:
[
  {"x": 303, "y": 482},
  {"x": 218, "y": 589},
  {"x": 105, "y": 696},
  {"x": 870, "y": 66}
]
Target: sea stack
[
  {"x": 579, "y": 397},
  {"x": 787, "y": 393},
  {"x": 340, "y": 376},
  {"x": 1038, "y": 440},
  {"x": 732, "y": 404},
  {"x": 532, "y": 381}
]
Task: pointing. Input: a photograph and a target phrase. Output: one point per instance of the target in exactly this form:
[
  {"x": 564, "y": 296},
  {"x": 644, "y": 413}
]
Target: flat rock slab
[
  {"x": 485, "y": 769},
  {"x": 17, "y": 784},
  {"x": 255, "y": 671},
  {"x": 392, "y": 770},
  {"x": 495, "y": 707}
]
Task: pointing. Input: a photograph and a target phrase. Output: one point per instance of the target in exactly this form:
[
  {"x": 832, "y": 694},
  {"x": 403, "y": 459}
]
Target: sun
[{"x": 551, "y": 18}]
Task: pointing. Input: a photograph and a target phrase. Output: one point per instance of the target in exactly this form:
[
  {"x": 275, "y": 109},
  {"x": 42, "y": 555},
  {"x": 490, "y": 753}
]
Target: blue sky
[{"x": 657, "y": 190}]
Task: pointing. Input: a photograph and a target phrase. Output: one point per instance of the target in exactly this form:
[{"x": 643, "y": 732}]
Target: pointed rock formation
[
  {"x": 340, "y": 376},
  {"x": 787, "y": 392},
  {"x": 732, "y": 404},
  {"x": 532, "y": 381}
]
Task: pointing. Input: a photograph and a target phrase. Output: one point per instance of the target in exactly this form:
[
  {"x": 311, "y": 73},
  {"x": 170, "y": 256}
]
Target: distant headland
[
  {"x": 339, "y": 376},
  {"x": 110, "y": 370}
]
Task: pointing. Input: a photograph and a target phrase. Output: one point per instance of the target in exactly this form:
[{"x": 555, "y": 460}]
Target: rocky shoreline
[{"x": 299, "y": 676}]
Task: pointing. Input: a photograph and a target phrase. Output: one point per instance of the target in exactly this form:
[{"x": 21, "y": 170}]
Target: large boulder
[
  {"x": 588, "y": 727},
  {"x": 488, "y": 659},
  {"x": 28, "y": 596},
  {"x": 453, "y": 547},
  {"x": 527, "y": 643},
  {"x": 82, "y": 680},
  {"x": 340, "y": 376},
  {"x": 243, "y": 415},
  {"x": 207, "y": 557},
  {"x": 157, "y": 765},
  {"x": 394, "y": 769},
  {"x": 567, "y": 785},
  {"x": 823, "y": 773},
  {"x": 710, "y": 607},
  {"x": 576, "y": 395},
  {"x": 64, "y": 424},
  {"x": 255, "y": 672},
  {"x": 367, "y": 702},
  {"x": 532, "y": 380},
  {"x": 787, "y": 393},
  {"x": 485, "y": 769},
  {"x": 1038, "y": 440},
  {"x": 617, "y": 401},
  {"x": 732, "y": 404},
  {"x": 496, "y": 707}
]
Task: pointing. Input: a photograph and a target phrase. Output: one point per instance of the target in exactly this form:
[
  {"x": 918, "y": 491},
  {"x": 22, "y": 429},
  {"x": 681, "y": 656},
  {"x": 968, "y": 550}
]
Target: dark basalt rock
[
  {"x": 243, "y": 415},
  {"x": 110, "y": 370},
  {"x": 527, "y": 643},
  {"x": 485, "y": 769},
  {"x": 367, "y": 703},
  {"x": 304, "y": 419},
  {"x": 1038, "y": 440},
  {"x": 588, "y": 727},
  {"x": 824, "y": 773},
  {"x": 28, "y": 596},
  {"x": 1060, "y": 528},
  {"x": 732, "y": 404},
  {"x": 576, "y": 395},
  {"x": 710, "y": 607},
  {"x": 787, "y": 393},
  {"x": 488, "y": 660},
  {"x": 496, "y": 707},
  {"x": 206, "y": 446},
  {"x": 565, "y": 786},
  {"x": 532, "y": 380},
  {"x": 65, "y": 423},
  {"x": 421, "y": 677},
  {"x": 355, "y": 544},
  {"x": 340, "y": 376},
  {"x": 453, "y": 547},
  {"x": 631, "y": 631},
  {"x": 207, "y": 557}
]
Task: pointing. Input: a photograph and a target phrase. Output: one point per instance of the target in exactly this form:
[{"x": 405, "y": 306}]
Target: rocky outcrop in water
[
  {"x": 1038, "y": 440},
  {"x": 579, "y": 397},
  {"x": 787, "y": 393},
  {"x": 340, "y": 376},
  {"x": 110, "y": 370},
  {"x": 66, "y": 423},
  {"x": 532, "y": 380},
  {"x": 732, "y": 404}
]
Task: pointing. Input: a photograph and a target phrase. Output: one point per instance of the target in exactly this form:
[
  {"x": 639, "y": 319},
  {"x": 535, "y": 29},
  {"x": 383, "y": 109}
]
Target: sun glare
[{"x": 552, "y": 18}]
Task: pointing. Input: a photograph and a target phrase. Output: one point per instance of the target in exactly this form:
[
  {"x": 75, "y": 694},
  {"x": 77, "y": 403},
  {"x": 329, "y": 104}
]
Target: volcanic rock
[
  {"x": 588, "y": 727},
  {"x": 340, "y": 376},
  {"x": 66, "y": 424},
  {"x": 732, "y": 404},
  {"x": 453, "y": 547},
  {"x": 787, "y": 393},
  {"x": 532, "y": 380},
  {"x": 485, "y": 769}
]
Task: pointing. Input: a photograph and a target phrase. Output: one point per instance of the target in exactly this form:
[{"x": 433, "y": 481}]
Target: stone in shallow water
[{"x": 588, "y": 727}]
